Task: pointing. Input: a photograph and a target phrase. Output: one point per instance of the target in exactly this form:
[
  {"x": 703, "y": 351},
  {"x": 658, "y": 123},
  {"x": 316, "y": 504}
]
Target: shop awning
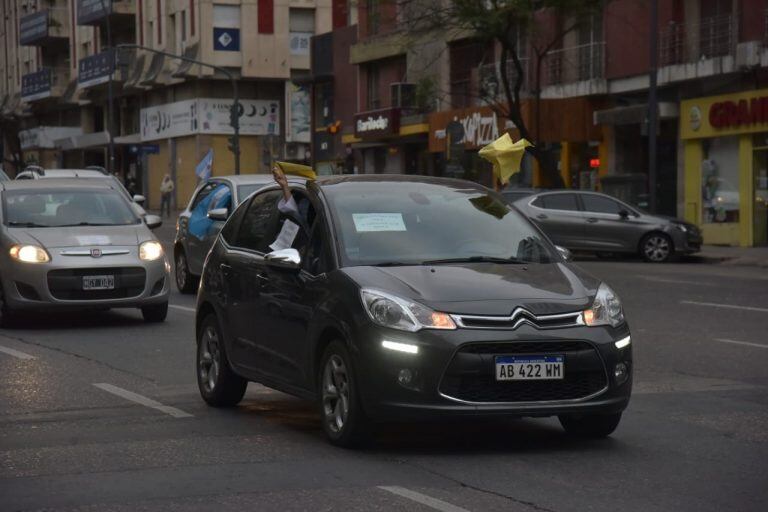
[
  {"x": 634, "y": 114},
  {"x": 136, "y": 70},
  {"x": 84, "y": 141},
  {"x": 133, "y": 138},
  {"x": 155, "y": 67}
]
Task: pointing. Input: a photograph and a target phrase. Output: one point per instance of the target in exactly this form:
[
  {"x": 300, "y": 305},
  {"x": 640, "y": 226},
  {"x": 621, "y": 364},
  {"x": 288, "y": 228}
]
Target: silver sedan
[{"x": 77, "y": 244}]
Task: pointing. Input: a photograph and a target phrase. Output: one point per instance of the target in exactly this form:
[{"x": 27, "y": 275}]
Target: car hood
[
  {"x": 485, "y": 288},
  {"x": 80, "y": 236}
]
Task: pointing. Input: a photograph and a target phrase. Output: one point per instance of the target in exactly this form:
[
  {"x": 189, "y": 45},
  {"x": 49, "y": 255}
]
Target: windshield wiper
[
  {"x": 474, "y": 259},
  {"x": 27, "y": 225}
]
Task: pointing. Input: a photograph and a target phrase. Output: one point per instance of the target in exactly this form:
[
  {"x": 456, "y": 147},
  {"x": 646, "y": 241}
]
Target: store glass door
[{"x": 760, "y": 173}]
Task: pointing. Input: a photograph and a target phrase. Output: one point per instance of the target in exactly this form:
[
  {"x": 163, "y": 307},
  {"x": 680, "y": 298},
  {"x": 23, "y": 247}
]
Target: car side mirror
[
  {"x": 285, "y": 259},
  {"x": 624, "y": 214},
  {"x": 139, "y": 199},
  {"x": 153, "y": 221},
  {"x": 565, "y": 253},
  {"x": 220, "y": 214}
]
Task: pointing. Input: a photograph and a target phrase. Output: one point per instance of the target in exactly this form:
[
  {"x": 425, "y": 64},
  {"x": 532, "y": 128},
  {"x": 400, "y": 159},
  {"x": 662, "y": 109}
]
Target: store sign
[
  {"x": 733, "y": 114},
  {"x": 728, "y": 114},
  {"x": 43, "y": 137},
  {"x": 36, "y": 86},
  {"x": 208, "y": 116},
  {"x": 33, "y": 27},
  {"x": 480, "y": 125},
  {"x": 96, "y": 69},
  {"x": 377, "y": 123},
  {"x": 90, "y": 11}
]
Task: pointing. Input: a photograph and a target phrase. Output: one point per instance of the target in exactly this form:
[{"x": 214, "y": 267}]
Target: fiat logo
[{"x": 95, "y": 253}]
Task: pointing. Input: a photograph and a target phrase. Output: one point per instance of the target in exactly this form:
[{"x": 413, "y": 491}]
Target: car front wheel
[
  {"x": 590, "y": 425},
  {"x": 219, "y": 385},
  {"x": 7, "y": 316},
  {"x": 155, "y": 313},
  {"x": 344, "y": 420},
  {"x": 185, "y": 281},
  {"x": 657, "y": 248}
]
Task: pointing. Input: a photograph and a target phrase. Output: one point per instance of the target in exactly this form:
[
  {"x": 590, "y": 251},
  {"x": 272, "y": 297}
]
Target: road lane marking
[
  {"x": 142, "y": 400},
  {"x": 736, "y": 342},
  {"x": 675, "y": 281},
  {"x": 182, "y": 308},
  {"x": 725, "y": 306},
  {"x": 16, "y": 353},
  {"x": 429, "y": 501}
]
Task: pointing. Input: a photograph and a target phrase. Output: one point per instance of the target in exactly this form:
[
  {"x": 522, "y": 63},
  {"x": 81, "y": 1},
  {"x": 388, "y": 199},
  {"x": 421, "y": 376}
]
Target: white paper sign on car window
[
  {"x": 368, "y": 222},
  {"x": 286, "y": 236}
]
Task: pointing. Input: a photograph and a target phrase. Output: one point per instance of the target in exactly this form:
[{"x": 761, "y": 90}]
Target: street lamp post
[
  {"x": 110, "y": 90},
  {"x": 235, "y": 109}
]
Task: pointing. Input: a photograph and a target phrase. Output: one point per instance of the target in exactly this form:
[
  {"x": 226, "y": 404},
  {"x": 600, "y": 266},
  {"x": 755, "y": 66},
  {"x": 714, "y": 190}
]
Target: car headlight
[
  {"x": 606, "y": 309},
  {"x": 150, "y": 250},
  {"x": 403, "y": 314},
  {"x": 29, "y": 254}
]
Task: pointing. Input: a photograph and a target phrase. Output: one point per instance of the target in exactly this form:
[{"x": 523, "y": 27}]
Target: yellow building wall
[
  {"x": 746, "y": 192},
  {"x": 693, "y": 156},
  {"x": 157, "y": 166}
]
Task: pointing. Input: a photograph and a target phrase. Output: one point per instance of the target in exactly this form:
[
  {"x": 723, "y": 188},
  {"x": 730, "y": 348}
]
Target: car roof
[
  {"x": 328, "y": 181},
  {"x": 244, "y": 179},
  {"x": 57, "y": 183}
]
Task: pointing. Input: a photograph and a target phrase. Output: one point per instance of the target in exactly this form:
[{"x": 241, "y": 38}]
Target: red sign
[
  {"x": 594, "y": 163},
  {"x": 732, "y": 114}
]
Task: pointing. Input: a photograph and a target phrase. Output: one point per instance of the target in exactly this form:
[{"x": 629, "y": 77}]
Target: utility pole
[
  {"x": 653, "y": 106},
  {"x": 235, "y": 109},
  {"x": 110, "y": 90}
]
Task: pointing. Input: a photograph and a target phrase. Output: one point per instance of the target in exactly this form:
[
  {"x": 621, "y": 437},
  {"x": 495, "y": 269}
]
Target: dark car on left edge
[{"x": 402, "y": 297}]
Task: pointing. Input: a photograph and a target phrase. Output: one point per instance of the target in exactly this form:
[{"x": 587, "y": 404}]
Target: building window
[
  {"x": 301, "y": 24},
  {"x": 183, "y": 26},
  {"x": 373, "y": 87},
  {"x": 720, "y": 180},
  {"x": 591, "y": 46},
  {"x": 373, "y": 16},
  {"x": 465, "y": 56}
]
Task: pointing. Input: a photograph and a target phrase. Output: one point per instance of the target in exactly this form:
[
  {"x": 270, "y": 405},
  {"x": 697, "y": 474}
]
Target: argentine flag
[{"x": 205, "y": 167}]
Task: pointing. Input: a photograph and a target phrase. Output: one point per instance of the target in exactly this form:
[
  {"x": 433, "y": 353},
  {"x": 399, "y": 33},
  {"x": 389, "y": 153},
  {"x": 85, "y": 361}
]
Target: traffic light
[
  {"x": 234, "y": 115},
  {"x": 233, "y": 144}
]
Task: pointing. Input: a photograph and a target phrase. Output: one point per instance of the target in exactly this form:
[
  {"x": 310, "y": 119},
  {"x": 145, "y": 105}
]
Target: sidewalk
[{"x": 743, "y": 256}]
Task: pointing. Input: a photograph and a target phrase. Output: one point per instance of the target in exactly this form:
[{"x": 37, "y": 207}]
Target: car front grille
[
  {"x": 471, "y": 375},
  {"x": 68, "y": 284}
]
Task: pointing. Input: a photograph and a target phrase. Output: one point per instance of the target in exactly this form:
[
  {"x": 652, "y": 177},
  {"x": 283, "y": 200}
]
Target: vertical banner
[
  {"x": 204, "y": 169},
  {"x": 298, "y": 112}
]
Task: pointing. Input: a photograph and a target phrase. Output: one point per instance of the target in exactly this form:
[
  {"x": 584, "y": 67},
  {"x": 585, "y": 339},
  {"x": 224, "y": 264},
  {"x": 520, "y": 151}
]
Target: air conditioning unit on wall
[
  {"x": 748, "y": 54},
  {"x": 403, "y": 95}
]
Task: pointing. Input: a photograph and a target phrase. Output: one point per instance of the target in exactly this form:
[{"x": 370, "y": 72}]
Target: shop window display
[{"x": 720, "y": 180}]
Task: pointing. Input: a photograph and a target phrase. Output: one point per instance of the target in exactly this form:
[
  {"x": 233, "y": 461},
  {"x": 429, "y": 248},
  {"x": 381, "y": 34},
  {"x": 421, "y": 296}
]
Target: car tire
[
  {"x": 7, "y": 316},
  {"x": 155, "y": 313},
  {"x": 594, "y": 426},
  {"x": 657, "y": 248},
  {"x": 344, "y": 421},
  {"x": 219, "y": 385},
  {"x": 185, "y": 281}
]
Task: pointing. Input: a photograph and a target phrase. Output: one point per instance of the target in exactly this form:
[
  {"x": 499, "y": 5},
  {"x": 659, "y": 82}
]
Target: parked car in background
[
  {"x": 594, "y": 222},
  {"x": 390, "y": 297},
  {"x": 94, "y": 172},
  {"x": 200, "y": 222},
  {"x": 77, "y": 244},
  {"x": 514, "y": 194}
]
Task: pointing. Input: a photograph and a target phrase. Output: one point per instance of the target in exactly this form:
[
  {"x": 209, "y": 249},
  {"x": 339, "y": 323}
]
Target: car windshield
[
  {"x": 396, "y": 223},
  {"x": 58, "y": 208}
]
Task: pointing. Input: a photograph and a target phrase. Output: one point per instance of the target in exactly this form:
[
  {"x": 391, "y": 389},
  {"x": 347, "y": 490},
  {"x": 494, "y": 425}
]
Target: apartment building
[{"x": 62, "y": 57}]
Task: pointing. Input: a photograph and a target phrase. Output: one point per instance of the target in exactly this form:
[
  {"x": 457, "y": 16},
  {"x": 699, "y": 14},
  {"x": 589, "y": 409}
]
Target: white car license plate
[
  {"x": 98, "y": 282},
  {"x": 530, "y": 367}
]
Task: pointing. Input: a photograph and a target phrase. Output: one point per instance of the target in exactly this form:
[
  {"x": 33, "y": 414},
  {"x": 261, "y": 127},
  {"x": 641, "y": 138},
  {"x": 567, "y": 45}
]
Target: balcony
[
  {"x": 48, "y": 83},
  {"x": 681, "y": 43},
  {"x": 95, "y": 12},
  {"x": 45, "y": 28}
]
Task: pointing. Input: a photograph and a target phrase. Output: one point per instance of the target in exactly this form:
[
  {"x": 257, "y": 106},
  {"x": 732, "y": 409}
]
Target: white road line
[
  {"x": 422, "y": 498},
  {"x": 725, "y": 306},
  {"x": 676, "y": 281},
  {"x": 735, "y": 342},
  {"x": 182, "y": 308},
  {"x": 142, "y": 400},
  {"x": 15, "y": 353}
]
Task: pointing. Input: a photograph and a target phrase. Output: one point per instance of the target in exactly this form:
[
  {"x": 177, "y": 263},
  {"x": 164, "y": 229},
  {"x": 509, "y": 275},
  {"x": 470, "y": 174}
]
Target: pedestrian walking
[{"x": 166, "y": 189}]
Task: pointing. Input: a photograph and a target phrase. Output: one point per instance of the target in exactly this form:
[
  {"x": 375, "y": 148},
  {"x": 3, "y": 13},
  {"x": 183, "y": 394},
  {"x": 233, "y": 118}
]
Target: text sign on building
[
  {"x": 90, "y": 11},
  {"x": 95, "y": 69},
  {"x": 33, "y": 27},
  {"x": 226, "y": 39},
  {"x": 36, "y": 86},
  {"x": 730, "y": 114},
  {"x": 377, "y": 123},
  {"x": 480, "y": 126},
  {"x": 208, "y": 116}
]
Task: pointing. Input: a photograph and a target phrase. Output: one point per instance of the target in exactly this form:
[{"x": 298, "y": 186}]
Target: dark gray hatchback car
[
  {"x": 393, "y": 297},
  {"x": 594, "y": 222}
]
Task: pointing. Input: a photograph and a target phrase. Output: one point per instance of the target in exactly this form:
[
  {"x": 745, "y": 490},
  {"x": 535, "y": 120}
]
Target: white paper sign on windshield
[
  {"x": 370, "y": 222},
  {"x": 286, "y": 236}
]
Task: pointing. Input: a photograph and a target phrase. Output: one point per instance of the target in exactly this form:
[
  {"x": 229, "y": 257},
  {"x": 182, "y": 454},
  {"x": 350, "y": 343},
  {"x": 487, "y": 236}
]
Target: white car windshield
[{"x": 60, "y": 208}]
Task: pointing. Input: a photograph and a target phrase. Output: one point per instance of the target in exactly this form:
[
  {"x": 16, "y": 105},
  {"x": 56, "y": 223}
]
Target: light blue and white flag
[{"x": 205, "y": 168}]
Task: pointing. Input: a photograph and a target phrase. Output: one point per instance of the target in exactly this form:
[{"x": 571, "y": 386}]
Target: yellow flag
[
  {"x": 505, "y": 156},
  {"x": 290, "y": 169}
]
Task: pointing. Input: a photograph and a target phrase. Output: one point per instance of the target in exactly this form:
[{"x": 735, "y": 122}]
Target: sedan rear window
[
  {"x": 600, "y": 204},
  {"x": 59, "y": 208},
  {"x": 558, "y": 202}
]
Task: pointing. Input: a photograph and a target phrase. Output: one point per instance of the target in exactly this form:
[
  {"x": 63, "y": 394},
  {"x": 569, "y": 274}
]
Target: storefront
[{"x": 725, "y": 142}]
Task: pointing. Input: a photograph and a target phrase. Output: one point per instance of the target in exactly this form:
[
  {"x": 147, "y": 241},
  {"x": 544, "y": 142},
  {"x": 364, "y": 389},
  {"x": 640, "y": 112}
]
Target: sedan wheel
[
  {"x": 344, "y": 421},
  {"x": 657, "y": 248},
  {"x": 185, "y": 281},
  {"x": 219, "y": 385}
]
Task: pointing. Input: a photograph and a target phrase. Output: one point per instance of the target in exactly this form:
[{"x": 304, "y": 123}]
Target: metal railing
[
  {"x": 574, "y": 64},
  {"x": 689, "y": 42}
]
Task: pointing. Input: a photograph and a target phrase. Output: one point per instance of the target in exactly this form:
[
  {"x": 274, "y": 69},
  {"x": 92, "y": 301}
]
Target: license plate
[
  {"x": 98, "y": 282},
  {"x": 530, "y": 367}
]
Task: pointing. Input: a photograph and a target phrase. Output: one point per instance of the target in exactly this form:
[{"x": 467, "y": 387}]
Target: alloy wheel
[
  {"x": 209, "y": 359},
  {"x": 335, "y": 393},
  {"x": 181, "y": 271},
  {"x": 657, "y": 248}
]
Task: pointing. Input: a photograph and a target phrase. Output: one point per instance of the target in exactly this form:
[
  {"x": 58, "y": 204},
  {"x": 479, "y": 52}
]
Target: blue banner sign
[
  {"x": 36, "y": 86},
  {"x": 226, "y": 39},
  {"x": 33, "y": 27},
  {"x": 95, "y": 69},
  {"x": 92, "y": 11}
]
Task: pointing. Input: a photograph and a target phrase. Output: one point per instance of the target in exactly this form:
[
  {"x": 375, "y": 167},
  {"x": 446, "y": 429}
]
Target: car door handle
[
  {"x": 541, "y": 216},
  {"x": 591, "y": 220},
  {"x": 261, "y": 276}
]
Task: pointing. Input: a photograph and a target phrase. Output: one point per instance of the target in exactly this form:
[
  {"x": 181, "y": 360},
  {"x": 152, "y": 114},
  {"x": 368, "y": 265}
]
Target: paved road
[{"x": 101, "y": 412}]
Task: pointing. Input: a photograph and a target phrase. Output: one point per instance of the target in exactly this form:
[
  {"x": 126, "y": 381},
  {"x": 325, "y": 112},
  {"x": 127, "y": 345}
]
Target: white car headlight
[
  {"x": 396, "y": 312},
  {"x": 606, "y": 309},
  {"x": 150, "y": 250},
  {"x": 29, "y": 254}
]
